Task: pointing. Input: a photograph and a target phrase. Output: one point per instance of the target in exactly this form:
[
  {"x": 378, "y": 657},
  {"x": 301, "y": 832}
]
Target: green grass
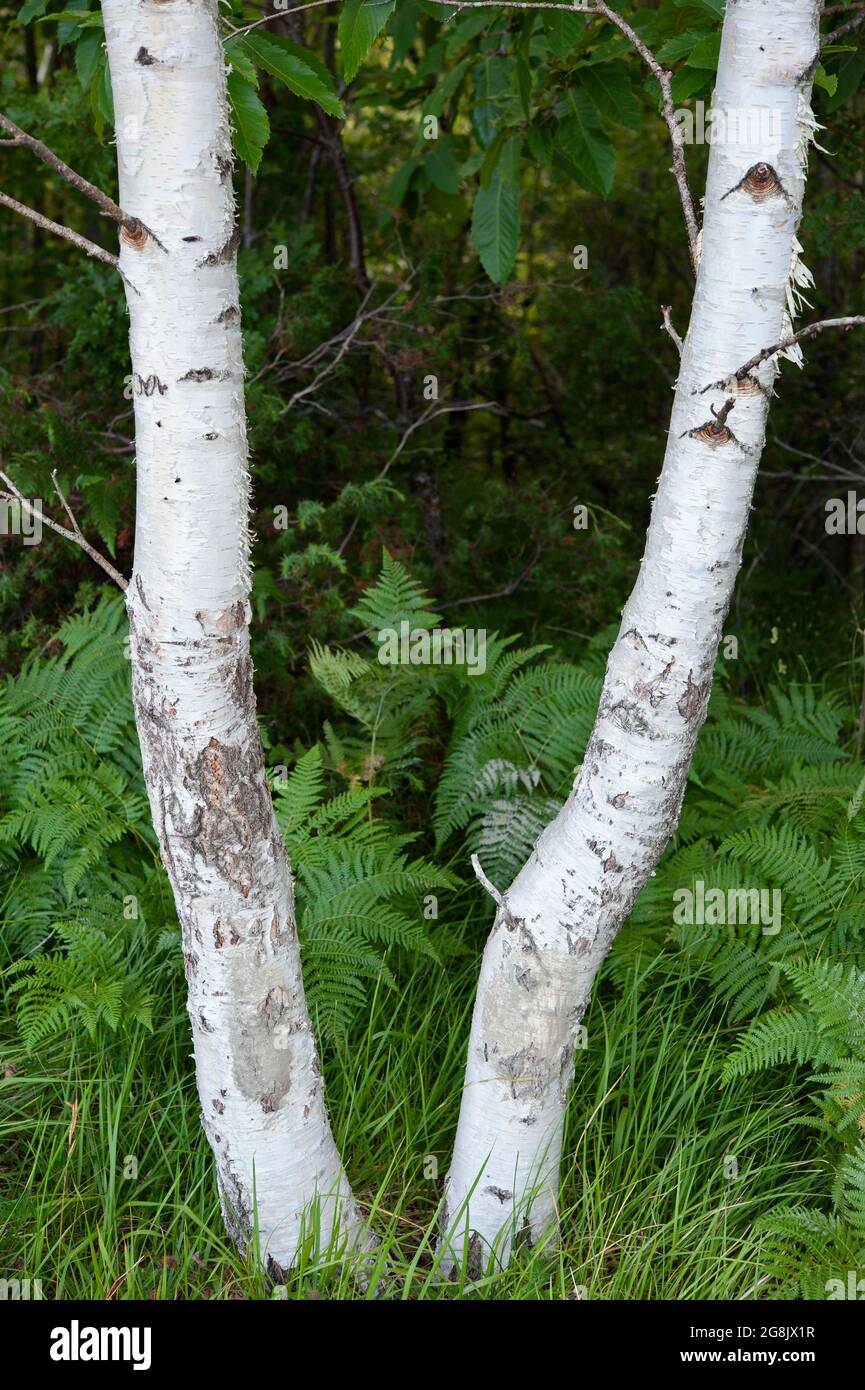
[{"x": 647, "y": 1211}]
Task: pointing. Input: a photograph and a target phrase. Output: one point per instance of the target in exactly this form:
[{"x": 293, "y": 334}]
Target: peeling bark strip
[
  {"x": 589, "y": 865},
  {"x": 258, "y": 1075}
]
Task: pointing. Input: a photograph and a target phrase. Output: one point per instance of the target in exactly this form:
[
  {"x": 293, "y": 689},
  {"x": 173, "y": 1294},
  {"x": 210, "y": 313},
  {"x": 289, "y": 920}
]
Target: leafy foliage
[{"x": 355, "y": 888}]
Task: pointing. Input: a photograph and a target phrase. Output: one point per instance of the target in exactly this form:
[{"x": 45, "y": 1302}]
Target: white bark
[
  {"x": 562, "y": 912},
  {"x": 258, "y": 1076}
]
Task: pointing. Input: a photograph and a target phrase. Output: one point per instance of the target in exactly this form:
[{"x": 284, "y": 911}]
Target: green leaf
[
  {"x": 491, "y": 158},
  {"x": 441, "y": 165},
  {"x": 587, "y": 148},
  {"x": 563, "y": 32},
  {"x": 495, "y": 219},
  {"x": 72, "y": 20},
  {"x": 300, "y": 70},
  {"x": 828, "y": 81},
  {"x": 101, "y": 96},
  {"x": 87, "y": 55},
  {"x": 705, "y": 55},
  {"x": 493, "y": 88},
  {"x": 31, "y": 10},
  {"x": 610, "y": 89},
  {"x": 251, "y": 126},
  {"x": 360, "y": 23},
  {"x": 468, "y": 28},
  {"x": 681, "y": 44},
  {"x": 403, "y": 28},
  {"x": 687, "y": 82},
  {"x": 444, "y": 89},
  {"x": 241, "y": 62}
]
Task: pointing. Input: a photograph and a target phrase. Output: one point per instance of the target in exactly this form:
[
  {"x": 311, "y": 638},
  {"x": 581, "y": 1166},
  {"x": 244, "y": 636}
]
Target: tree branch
[
  {"x": 75, "y": 535},
  {"x": 667, "y": 325},
  {"x": 809, "y": 331},
  {"x": 89, "y": 247},
  {"x": 107, "y": 205},
  {"x": 841, "y": 31}
]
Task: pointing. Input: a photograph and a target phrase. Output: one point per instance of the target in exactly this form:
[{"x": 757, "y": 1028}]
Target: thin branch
[
  {"x": 75, "y": 535},
  {"x": 497, "y": 897},
  {"x": 809, "y": 331},
  {"x": 677, "y": 136},
  {"x": 451, "y": 4},
  {"x": 499, "y": 593},
  {"x": 841, "y": 31},
  {"x": 432, "y": 413},
  {"x": 66, "y": 507},
  {"x": 331, "y": 366},
  {"x": 668, "y": 326},
  {"x": 500, "y": 899},
  {"x": 107, "y": 205},
  {"x": 89, "y": 247}
]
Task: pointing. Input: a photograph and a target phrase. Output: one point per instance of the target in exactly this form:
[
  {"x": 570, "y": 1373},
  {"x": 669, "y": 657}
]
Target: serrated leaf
[
  {"x": 299, "y": 69},
  {"x": 87, "y": 56},
  {"x": 360, "y": 23},
  {"x": 681, "y": 44},
  {"x": 705, "y": 55},
  {"x": 251, "y": 125},
  {"x": 495, "y": 217},
  {"x": 71, "y": 20},
  {"x": 31, "y": 10},
  {"x": 441, "y": 165},
  {"x": 240, "y": 61},
  {"x": 563, "y": 32},
  {"x": 585, "y": 144},
  {"x": 609, "y": 87}
]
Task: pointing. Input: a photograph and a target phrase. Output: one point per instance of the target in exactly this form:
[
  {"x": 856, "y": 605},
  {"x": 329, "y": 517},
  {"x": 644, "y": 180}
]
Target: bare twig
[
  {"x": 677, "y": 137},
  {"x": 809, "y": 331},
  {"x": 499, "y": 593},
  {"x": 432, "y": 412},
  {"x": 841, "y": 31},
  {"x": 347, "y": 341},
  {"x": 107, "y": 205},
  {"x": 668, "y": 326},
  {"x": 498, "y": 898},
  {"x": 75, "y": 535},
  {"x": 89, "y": 247}
]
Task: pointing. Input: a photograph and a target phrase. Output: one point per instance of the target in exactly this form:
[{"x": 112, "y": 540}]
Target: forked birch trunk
[
  {"x": 258, "y": 1075},
  {"x": 558, "y": 920}
]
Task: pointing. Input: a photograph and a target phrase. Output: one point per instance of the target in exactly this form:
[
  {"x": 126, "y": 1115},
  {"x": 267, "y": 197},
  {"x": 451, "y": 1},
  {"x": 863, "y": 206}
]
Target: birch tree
[
  {"x": 257, "y": 1069},
  {"x": 557, "y": 921},
  {"x": 259, "y": 1080}
]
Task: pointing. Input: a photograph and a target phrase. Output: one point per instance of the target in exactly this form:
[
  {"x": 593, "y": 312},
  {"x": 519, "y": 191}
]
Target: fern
[
  {"x": 395, "y": 598},
  {"x": 356, "y": 891},
  {"x": 95, "y": 979}
]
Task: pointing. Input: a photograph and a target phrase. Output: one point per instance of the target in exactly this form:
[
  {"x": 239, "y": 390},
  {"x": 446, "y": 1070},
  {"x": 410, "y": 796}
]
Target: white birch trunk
[
  {"x": 566, "y": 905},
  {"x": 258, "y": 1075}
]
